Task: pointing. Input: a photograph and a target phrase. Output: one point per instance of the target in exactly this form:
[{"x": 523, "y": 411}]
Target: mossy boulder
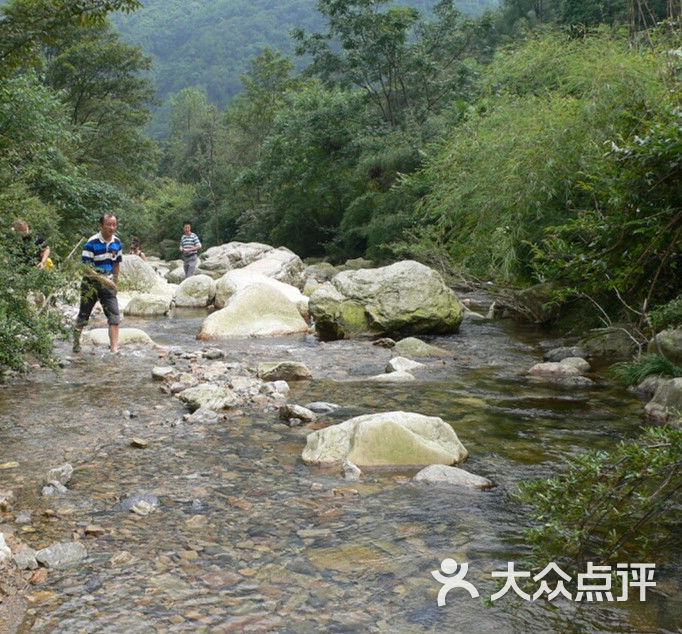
[
  {"x": 669, "y": 344},
  {"x": 386, "y": 439},
  {"x": 406, "y": 297},
  {"x": 608, "y": 342},
  {"x": 197, "y": 291},
  {"x": 147, "y": 305},
  {"x": 666, "y": 405},
  {"x": 413, "y": 347},
  {"x": 256, "y": 310}
]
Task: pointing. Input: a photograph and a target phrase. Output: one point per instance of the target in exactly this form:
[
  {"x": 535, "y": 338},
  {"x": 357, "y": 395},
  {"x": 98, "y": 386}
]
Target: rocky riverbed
[{"x": 216, "y": 524}]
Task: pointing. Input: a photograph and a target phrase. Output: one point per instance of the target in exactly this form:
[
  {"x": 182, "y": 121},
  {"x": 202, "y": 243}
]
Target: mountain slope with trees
[{"x": 210, "y": 44}]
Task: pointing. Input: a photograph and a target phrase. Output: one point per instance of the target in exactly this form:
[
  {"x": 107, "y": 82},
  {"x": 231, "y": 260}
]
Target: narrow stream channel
[{"x": 248, "y": 538}]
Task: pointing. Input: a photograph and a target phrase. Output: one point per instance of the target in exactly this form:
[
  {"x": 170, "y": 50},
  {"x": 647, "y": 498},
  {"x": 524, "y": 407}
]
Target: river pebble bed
[{"x": 233, "y": 532}]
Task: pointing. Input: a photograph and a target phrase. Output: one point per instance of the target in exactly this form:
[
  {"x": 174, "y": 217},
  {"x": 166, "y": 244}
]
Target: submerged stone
[{"x": 63, "y": 555}]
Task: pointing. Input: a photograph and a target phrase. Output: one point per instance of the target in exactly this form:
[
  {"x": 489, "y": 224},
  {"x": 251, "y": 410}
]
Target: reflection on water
[{"x": 248, "y": 538}]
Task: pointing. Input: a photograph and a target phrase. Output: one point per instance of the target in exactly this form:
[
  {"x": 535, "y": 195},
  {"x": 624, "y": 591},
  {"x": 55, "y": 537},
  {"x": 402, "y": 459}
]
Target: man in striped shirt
[
  {"x": 102, "y": 256},
  {"x": 189, "y": 246}
]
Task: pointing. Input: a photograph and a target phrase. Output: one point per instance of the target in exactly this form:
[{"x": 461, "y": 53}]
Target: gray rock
[
  {"x": 208, "y": 396},
  {"x": 667, "y": 401},
  {"x": 669, "y": 344},
  {"x": 196, "y": 291},
  {"x": 5, "y": 552},
  {"x": 398, "y": 364},
  {"x": 284, "y": 371},
  {"x": 142, "y": 508},
  {"x": 568, "y": 367},
  {"x": 25, "y": 558},
  {"x": 203, "y": 416},
  {"x": 391, "y": 377},
  {"x": 281, "y": 387},
  {"x": 63, "y": 555},
  {"x": 6, "y": 500},
  {"x": 60, "y": 474},
  {"x": 445, "y": 475},
  {"x": 148, "y": 305},
  {"x": 559, "y": 354},
  {"x": 385, "y": 438},
  {"x": 23, "y": 517},
  {"x": 351, "y": 472},
  {"x": 161, "y": 373},
  {"x": 322, "y": 407},
  {"x": 297, "y": 411},
  {"x": 576, "y": 362},
  {"x": 213, "y": 353},
  {"x": 609, "y": 342},
  {"x": 647, "y": 388},
  {"x": 54, "y": 487},
  {"x": 413, "y": 347},
  {"x": 129, "y": 502}
]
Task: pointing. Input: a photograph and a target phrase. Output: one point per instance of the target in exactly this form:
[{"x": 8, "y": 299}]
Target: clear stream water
[{"x": 248, "y": 538}]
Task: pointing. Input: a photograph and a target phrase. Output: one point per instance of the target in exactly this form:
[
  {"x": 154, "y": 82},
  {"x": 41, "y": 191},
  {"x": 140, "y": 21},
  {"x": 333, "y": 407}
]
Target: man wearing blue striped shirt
[
  {"x": 189, "y": 247},
  {"x": 102, "y": 256}
]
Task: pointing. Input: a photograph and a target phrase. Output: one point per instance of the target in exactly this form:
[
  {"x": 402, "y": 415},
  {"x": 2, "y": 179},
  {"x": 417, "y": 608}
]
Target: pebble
[{"x": 139, "y": 443}]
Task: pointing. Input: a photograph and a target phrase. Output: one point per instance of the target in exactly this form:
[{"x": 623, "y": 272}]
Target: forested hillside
[{"x": 210, "y": 44}]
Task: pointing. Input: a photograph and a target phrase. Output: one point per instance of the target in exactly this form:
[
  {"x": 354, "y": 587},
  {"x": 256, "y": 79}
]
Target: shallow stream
[{"x": 248, "y": 538}]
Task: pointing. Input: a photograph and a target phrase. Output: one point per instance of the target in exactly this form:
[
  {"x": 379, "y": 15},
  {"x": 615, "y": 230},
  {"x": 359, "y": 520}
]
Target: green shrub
[
  {"x": 634, "y": 372},
  {"x": 668, "y": 315},
  {"x": 611, "y": 505}
]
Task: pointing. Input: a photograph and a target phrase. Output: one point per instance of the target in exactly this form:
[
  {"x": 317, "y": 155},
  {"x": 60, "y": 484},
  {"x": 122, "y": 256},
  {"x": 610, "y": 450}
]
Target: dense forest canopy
[{"x": 210, "y": 44}]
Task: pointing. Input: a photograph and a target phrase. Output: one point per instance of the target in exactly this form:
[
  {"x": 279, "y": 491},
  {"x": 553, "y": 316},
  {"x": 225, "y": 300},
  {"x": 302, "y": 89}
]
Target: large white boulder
[
  {"x": 197, "y": 291},
  {"x": 147, "y": 305},
  {"x": 176, "y": 274},
  {"x": 238, "y": 279},
  {"x": 137, "y": 275},
  {"x": 126, "y": 336},
  {"x": 387, "y": 438},
  {"x": 405, "y": 297},
  {"x": 256, "y": 310},
  {"x": 278, "y": 263}
]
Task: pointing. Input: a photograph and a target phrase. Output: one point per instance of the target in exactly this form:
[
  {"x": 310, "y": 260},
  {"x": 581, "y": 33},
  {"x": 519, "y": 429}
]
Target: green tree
[
  {"x": 408, "y": 67},
  {"x": 28, "y": 25},
  {"x": 313, "y": 138},
  {"x": 517, "y": 164},
  {"x": 109, "y": 98}
]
